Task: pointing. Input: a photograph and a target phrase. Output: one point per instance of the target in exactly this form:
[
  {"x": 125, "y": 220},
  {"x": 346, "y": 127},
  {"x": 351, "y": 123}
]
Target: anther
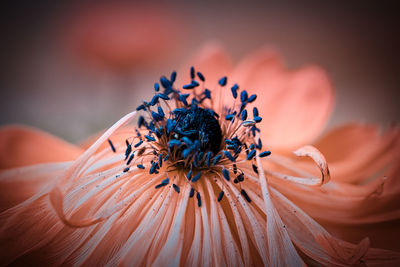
[{"x": 111, "y": 145}]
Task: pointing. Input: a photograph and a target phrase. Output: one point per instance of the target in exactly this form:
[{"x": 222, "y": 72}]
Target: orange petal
[
  {"x": 318, "y": 244},
  {"x": 356, "y": 152},
  {"x": 213, "y": 62},
  {"x": 22, "y": 145},
  {"x": 294, "y": 104}
]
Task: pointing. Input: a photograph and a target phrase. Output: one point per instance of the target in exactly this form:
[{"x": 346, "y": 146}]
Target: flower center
[
  {"x": 199, "y": 125},
  {"x": 182, "y": 130}
]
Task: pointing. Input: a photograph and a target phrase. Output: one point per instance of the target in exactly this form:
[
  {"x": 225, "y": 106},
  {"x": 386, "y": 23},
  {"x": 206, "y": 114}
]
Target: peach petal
[
  {"x": 280, "y": 247},
  {"x": 23, "y": 145},
  {"x": 19, "y": 184},
  {"x": 294, "y": 104},
  {"x": 326, "y": 249},
  {"x": 73, "y": 173},
  {"x": 306, "y": 151},
  {"x": 211, "y": 60},
  {"x": 357, "y": 152}
]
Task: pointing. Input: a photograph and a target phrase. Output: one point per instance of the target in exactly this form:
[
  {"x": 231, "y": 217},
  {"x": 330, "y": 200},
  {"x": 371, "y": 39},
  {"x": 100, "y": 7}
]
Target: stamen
[
  {"x": 185, "y": 133},
  {"x": 111, "y": 145}
]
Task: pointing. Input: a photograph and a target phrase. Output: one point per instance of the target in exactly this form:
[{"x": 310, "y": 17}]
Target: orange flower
[
  {"x": 194, "y": 183},
  {"x": 122, "y": 36}
]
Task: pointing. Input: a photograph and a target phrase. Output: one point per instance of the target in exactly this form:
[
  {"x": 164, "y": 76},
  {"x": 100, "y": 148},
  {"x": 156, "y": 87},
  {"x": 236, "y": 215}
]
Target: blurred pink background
[{"x": 73, "y": 68}]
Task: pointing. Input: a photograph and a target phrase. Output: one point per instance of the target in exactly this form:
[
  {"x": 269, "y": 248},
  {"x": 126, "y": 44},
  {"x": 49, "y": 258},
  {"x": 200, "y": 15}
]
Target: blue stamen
[
  {"x": 192, "y": 72},
  {"x": 163, "y": 96},
  {"x": 189, "y": 174},
  {"x": 201, "y": 77},
  {"x": 234, "y": 90},
  {"x": 196, "y": 177},
  {"x": 225, "y": 172},
  {"x": 223, "y": 81},
  {"x": 141, "y": 107},
  {"x": 161, "y": 112},
  {"x": 251, "y": 155},
  {"x": 229, "y": 117},
  {"x": 126, "y": 169},
  {"x": 173, "y": 76},
  {"x": 150, "y": 138},
  {"x": 255, "y": 168},
  {"x": 111, "y": 145},
  {"x": 245, "y": 195},
  {"x": 252, "y": 98},
  {"x": 220, "y": 196},
  {"x": 208, "y": 158},
  {"x": 174, "y": 142},
  {"x": 264, "y": 154},
  {"x": 138, "y": 144},
  {"x": 243, "y": 96},
  {"x": 156, "y": 87},
  {"x": 176, "y": 188},
  {"x": 240, "y": 177},
  {"x": 257, "y": 119},
  {"x": 198, "y": 199},
  {"x": 188, "y": 86},
  {"x": 216, "y": 159},
  {"x": 130, "y": 159},
  {"x": 154, "y": 100},
  {"x": 259, "y": 144},
  {"x": 140, "y": 166},
  {"x": 229, "y": 156},
  {"x": 255, "y": 112},
  {"x": 191, "y": 194},
  {"x": 244, "y": 115},
  {"x": 153, "y": 168},
  {"x": 207, "y": 93},
  {"x": 160, "y": 160},
  {"x": 165, "y": 82}
]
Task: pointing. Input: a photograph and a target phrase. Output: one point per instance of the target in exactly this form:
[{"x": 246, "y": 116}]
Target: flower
[
  {"x": 196, "y": 182},
  {"x": 122, "y": 36}
]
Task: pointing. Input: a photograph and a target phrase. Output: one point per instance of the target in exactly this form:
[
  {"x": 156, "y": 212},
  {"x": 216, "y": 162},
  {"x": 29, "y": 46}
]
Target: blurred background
[{"x": 72, "y": 68}]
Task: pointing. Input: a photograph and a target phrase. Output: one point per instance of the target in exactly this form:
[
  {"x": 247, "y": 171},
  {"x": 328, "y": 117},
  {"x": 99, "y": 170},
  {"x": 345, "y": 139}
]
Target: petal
[
  {"x": 22, "y": 145},
  {"x": 213, "y": 62},
  {"x": 352, "y": 212},
  {"x": 318, "y": 244},
  {"x": 356, "y": 152},
  {"x": 294, "y": 104},
  {"x": 19, "y": 184},
  {"x": 281, "y": 250},
  {"x": 306, "y": 151}
]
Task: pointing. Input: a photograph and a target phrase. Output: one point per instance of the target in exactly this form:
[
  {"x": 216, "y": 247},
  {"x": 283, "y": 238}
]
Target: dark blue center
[{"x": 200, "y": 124}]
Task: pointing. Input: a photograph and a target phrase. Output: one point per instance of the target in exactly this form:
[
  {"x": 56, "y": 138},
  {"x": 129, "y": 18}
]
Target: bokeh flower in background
[
  {"x": 123, "y": 37},
  {"x": 103, "y": 207}
]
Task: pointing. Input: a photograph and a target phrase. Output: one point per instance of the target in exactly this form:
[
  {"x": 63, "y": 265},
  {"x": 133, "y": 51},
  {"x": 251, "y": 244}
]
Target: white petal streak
[
  {"x": 195, "y": 249},
  {"x": 207, "y": 246},
  {"x": 140, "y": 240},
  {"x": 216, "y": 228},
  {"x": 170, "y": 254},
  {"x": 240, "y": 228},
  {"x": 280, "y": 248},
  {"x": 254, "y": 229}
]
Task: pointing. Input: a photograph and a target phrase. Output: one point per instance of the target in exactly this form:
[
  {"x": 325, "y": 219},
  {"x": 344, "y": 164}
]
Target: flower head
[{"x": 192, "y": 183}]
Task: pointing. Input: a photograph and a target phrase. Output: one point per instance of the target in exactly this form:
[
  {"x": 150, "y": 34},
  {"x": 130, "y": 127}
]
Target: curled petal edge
[{"x": 317, "y": 157}]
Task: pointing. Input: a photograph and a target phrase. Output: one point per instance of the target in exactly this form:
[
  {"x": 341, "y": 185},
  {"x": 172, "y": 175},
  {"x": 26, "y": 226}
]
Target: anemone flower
[
  {"x": 204, "y": 179},
  {"x": 122, "y": 36}
]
